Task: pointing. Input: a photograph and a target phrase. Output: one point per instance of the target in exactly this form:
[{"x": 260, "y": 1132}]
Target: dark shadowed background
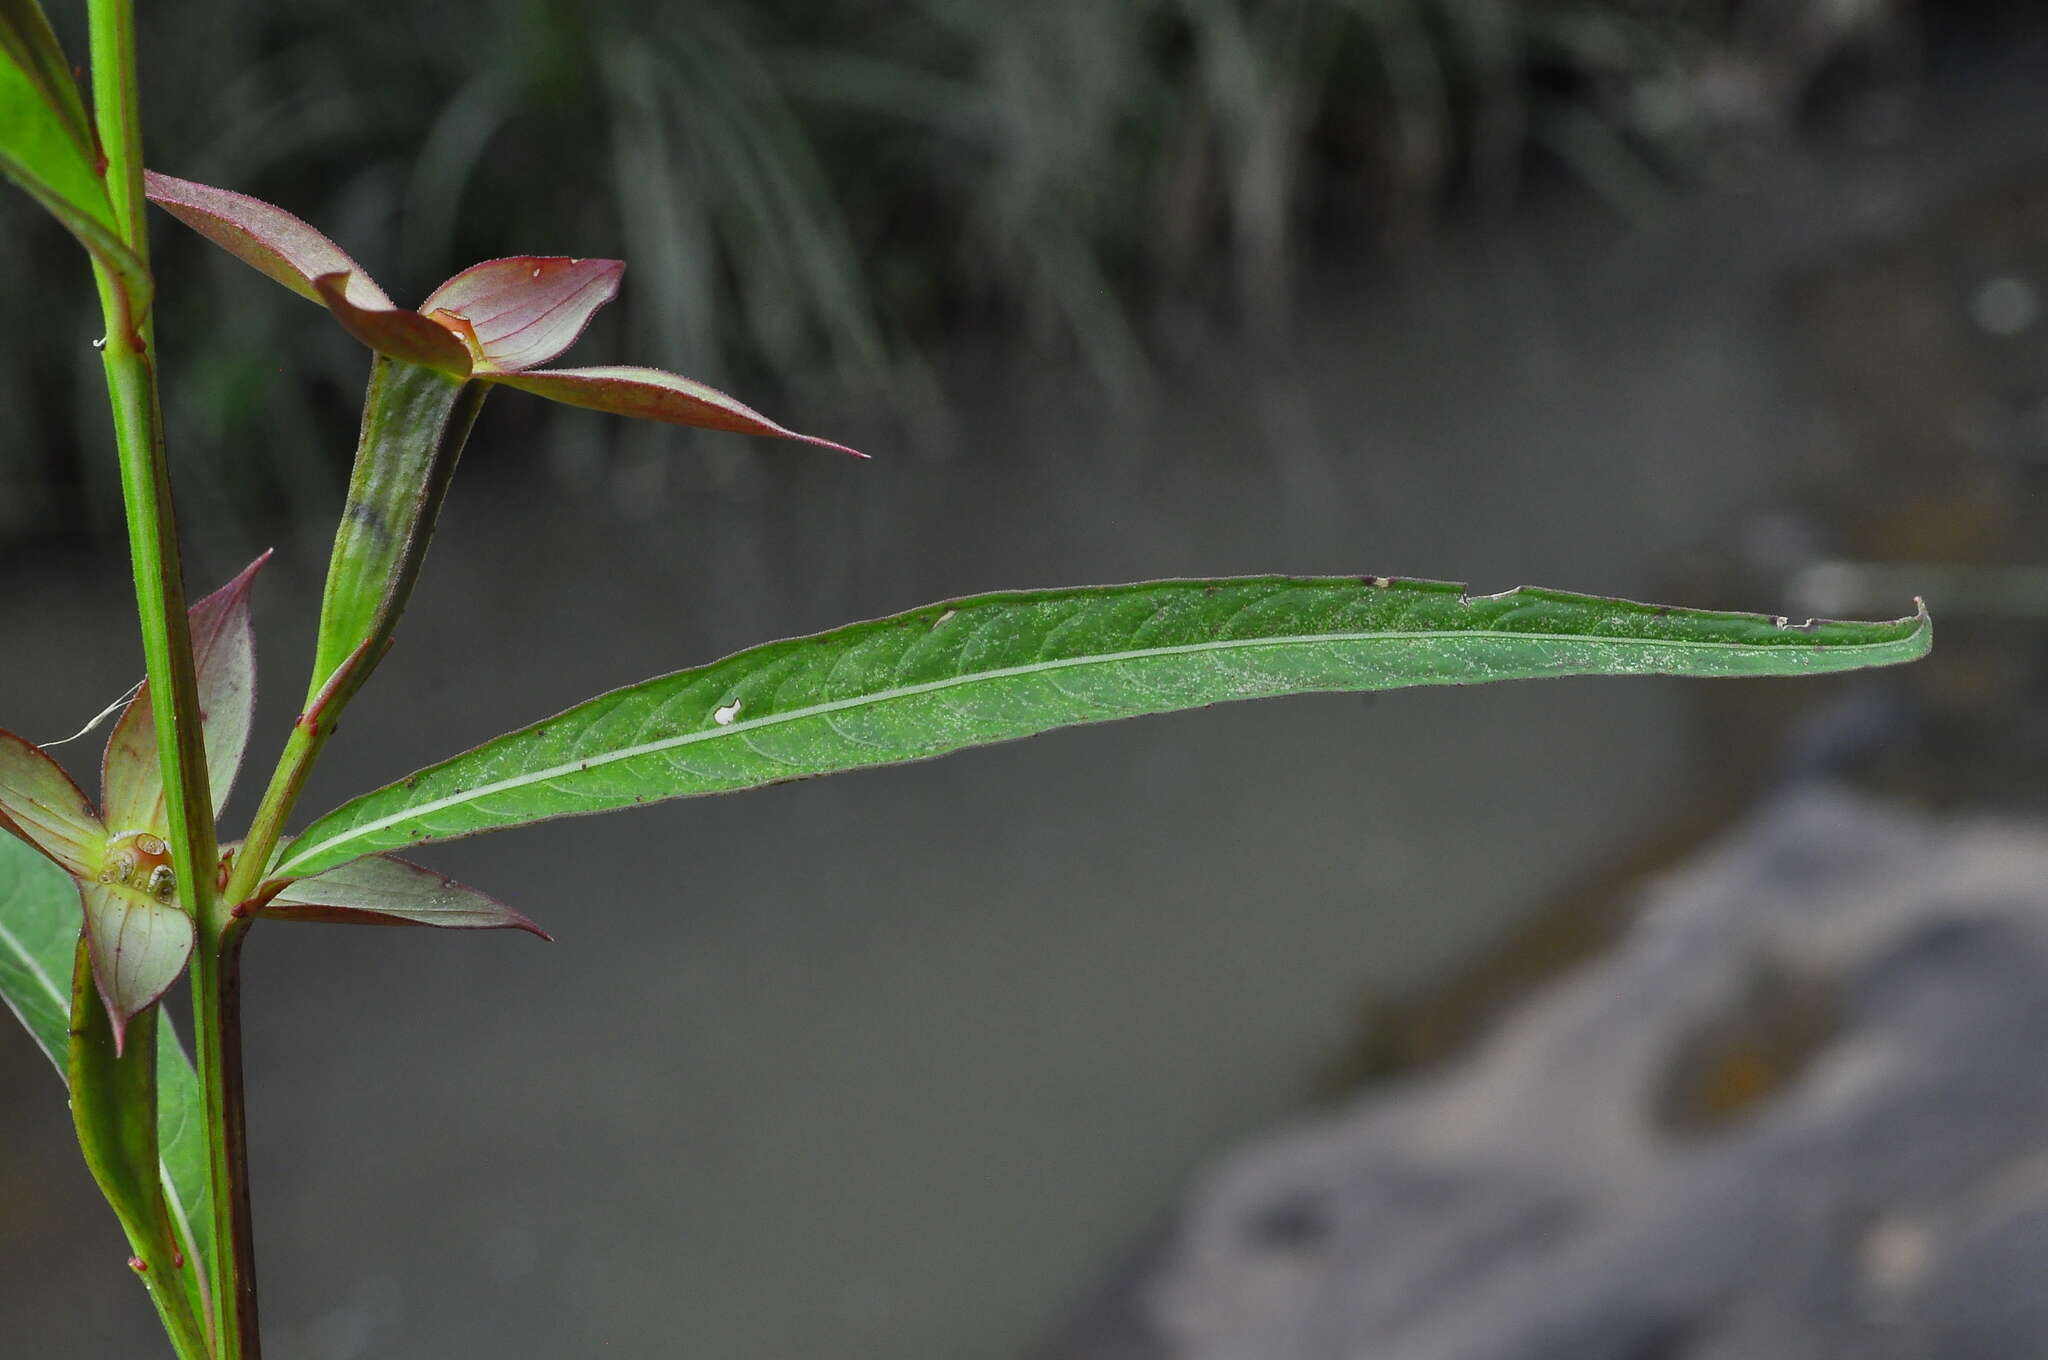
[{"x": 1733, "y": 302}]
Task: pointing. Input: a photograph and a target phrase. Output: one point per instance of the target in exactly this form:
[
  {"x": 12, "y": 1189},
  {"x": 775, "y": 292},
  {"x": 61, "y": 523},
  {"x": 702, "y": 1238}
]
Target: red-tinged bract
[{"x": 493, "y": 322}]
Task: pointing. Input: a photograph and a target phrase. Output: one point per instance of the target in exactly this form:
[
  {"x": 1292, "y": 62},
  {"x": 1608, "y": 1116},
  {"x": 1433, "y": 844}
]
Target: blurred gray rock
[{"x": 1801, "y": 1111}]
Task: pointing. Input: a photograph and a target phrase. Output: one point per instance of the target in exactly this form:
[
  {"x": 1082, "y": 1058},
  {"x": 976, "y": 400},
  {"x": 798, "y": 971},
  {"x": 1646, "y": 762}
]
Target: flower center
[
  {"x": 141, "y": 860},
  {"x": 458, "y": 325}
]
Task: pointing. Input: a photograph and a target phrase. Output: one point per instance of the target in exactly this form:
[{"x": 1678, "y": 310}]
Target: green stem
[
  {"x": 217, "y": 1038},
  {"x": 414, "y": 426},
  {"x": 116, "y": 98},
  {"x": 402, "y": 474},
  {"x": 174, "y": 691},
  {"x": 301, "y": 749},
  {"x": 415, "y": 423}
]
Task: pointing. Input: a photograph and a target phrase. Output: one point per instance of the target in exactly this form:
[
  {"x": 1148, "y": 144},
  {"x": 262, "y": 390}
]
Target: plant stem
[
  {"x": 217, "y": 1037},
  {"x": 174, "y": 699},
  {"x": 301, "y": 749},
  {"x": 127, "y": 354},
  {"x": 415, "y": 423},
  {"x": 116, "y": 99}
]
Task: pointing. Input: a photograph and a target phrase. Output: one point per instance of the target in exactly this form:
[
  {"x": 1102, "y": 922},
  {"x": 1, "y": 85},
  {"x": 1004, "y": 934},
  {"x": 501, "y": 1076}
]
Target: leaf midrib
[{"x": 681, "y": 739}]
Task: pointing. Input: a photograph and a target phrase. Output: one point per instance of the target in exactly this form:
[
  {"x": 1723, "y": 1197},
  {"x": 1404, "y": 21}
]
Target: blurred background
[{"x": 1730, "y": 302}]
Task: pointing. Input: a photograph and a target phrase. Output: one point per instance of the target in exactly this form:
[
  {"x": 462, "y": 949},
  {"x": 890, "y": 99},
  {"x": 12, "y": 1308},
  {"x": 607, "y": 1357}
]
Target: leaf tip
[
  {"x": 1923, "y": 625},
  {"x": 783, "y": 432},
  {"x": 237, "y": 588}
]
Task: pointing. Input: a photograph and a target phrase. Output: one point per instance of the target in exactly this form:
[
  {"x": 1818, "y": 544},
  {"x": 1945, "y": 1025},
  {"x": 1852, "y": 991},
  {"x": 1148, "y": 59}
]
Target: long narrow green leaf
[
  {"x": 39, "y": 926},
  {"x": 114, "y": 1110},
  {"x": 988, "y": 669},
  {"x": 47, "y": 146},
  {"x": 28, "y": 41}
]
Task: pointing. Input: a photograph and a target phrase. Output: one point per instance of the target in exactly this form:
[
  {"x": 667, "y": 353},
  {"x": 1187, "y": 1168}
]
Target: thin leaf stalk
[{"x": 127, "y": 355}]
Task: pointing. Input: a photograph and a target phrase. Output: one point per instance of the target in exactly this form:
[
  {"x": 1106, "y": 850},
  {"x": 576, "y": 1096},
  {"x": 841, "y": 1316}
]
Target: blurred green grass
[{"x": 821, "y": 196}]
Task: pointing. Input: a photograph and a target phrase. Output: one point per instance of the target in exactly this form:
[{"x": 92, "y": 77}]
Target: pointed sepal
[
  {"x": 224, "y": 655},
  {"x": 383, "y": 890},
  {"x": 41, "y": 804},
  {"x": 652, "y": 394},
  {"x": 527, "y": 309},
  {"x": 140, "y": 941}
]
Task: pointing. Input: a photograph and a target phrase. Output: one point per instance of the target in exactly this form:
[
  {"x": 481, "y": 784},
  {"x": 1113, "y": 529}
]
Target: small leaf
[
  {"x": 528, "y": 309},
  {"x": 393, "y": 331},
  {"x": 386, "y": 890},
  {"x": 264, "y": 237},
  {"x": 1003, "y": 666},
  {"x": 40, "y": 804},
  {"x": 139, "y": 946},
  {"x": 650, "y": 394},
  {"x": 224, "y": 654}
]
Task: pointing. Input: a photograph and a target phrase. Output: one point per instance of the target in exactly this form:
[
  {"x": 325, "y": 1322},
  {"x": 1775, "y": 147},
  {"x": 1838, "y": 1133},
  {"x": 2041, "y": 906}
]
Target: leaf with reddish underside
[
  {"x": 393, "y": 330},
  {"x": 224, "y": 654},
  {"x": 264, "y": 237},
  {"x": 139, "y": 946},
  {"x": 651, "y": 394},
  {"x": 41, "y": 804},
  {"x": 280, "y": 246},
  {"x": 384, "y": 890},
  {"x": 528, "y": 309}
]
